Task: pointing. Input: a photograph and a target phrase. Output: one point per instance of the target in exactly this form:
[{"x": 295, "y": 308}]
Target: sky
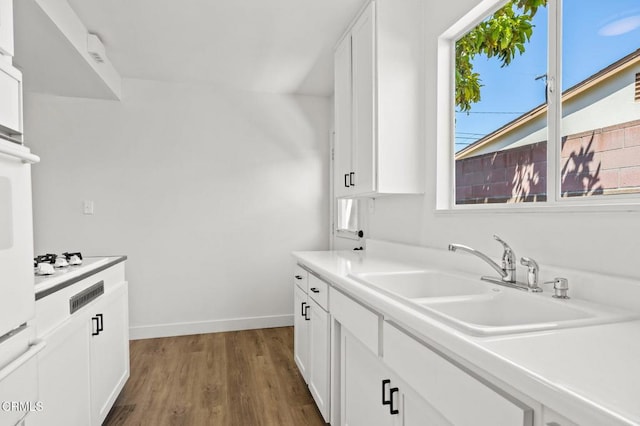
[{"x": 596, "y": 33}]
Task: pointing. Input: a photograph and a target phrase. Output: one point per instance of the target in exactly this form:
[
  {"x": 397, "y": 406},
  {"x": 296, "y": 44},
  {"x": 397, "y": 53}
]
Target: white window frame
[{"x": 445, "y": 127}]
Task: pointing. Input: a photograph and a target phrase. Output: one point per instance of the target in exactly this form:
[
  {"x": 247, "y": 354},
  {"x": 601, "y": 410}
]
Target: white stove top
[{"x": 43, "y": 282}]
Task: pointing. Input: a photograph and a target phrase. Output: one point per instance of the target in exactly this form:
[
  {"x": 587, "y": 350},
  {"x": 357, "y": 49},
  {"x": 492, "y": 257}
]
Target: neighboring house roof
[{"x": 595, "y": 79}]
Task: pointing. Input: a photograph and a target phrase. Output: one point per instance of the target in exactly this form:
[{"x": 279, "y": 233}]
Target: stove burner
[
  {"x": 64, "y": 260},
  {"x": 68, "y": 255},
  {"x": 45, "y": 258}
]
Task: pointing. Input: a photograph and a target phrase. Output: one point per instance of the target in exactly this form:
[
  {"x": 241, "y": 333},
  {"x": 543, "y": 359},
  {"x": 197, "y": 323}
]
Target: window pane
[
  {"x": 600, "y": 152},
  {"x": 347, "y": 215},
  {"x": 500, "y": 116}
]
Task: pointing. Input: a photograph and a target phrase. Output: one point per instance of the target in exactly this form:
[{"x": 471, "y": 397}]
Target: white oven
[
  {"x": 18, "y": 365},
  {"x": 17, "y": 303}
]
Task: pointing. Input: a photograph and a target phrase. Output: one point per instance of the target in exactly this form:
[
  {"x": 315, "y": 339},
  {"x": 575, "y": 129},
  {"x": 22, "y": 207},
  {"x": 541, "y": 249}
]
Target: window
[
  {"x": 517, "y": 138},
  {"x": 347, "y": 220}
]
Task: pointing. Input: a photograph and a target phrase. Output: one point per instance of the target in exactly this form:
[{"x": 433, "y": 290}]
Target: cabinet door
[
  {"x": 109, "y": 351},
  {"x": 362, "y": 376},
  {"x": 64, "y": 376},
  {"x": 6, "y": 27},
  {"x": 301, "y": 332},
  {"x": 319, "y": 357},
  {"x": 364, "y": 102},
  {"x": 418, "y": 412},
  {"x": 342, "y": 167}
]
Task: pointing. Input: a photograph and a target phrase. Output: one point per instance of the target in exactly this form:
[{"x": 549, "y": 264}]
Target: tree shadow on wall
[
  {"x": 526, "y": 181},
  {"x": 578, "y": 178}
]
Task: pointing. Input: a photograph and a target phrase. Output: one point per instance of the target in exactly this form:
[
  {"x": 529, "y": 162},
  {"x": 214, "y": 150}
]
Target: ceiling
[{"x": 278, "y": 46}]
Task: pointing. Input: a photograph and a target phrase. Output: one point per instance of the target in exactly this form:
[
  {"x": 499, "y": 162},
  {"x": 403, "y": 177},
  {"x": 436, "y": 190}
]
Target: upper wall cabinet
[
  {"x": 6, "y": 27},
  {"x": 378, "y": 109}
]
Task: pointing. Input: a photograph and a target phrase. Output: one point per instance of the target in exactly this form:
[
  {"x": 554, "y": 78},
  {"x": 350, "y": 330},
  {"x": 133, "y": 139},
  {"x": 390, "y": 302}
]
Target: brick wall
[{"x": 602, "y": 161}]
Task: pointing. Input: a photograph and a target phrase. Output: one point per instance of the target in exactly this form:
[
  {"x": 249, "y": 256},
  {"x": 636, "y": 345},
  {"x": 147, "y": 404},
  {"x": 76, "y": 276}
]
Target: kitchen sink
[
  {"x": 480, "y": 308},
  {"x": 422, "y": 284}
]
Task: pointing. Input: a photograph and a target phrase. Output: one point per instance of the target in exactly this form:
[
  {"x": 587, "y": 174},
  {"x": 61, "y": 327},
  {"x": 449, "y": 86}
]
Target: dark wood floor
[{"x": 243, "y": 378}]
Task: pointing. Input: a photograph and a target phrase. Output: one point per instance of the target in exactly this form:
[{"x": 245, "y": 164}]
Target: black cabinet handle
[
  {"x": 100, "y": 323},
  {"x": 346, "y": 178},
  {"x": 306, "y": 309},
  {"x": 302, "y": 308},
  {"x": 351, "y": 176},
  {"x": 314, "y": 289},
  {"x": 391, "y": 409},
  {"x": 97, "y": 326},
  {"x": 385, "y": 401},
  {"x": 298, "y": 277}
]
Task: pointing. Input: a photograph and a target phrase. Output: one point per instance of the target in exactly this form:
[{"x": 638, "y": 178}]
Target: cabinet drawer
[
  {"x": 10, "y": 100},
  {"x": 360, "y": 321},
  {"x": 301, "y": 277},
  {"x": 319, "y": 291},
  {"x": 460, "y": 397}
]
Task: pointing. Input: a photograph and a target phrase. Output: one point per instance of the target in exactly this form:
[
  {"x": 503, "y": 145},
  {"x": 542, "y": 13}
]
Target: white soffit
[
  {"x": 278, "y": 46},
  {"x": 51, "y": 51}
]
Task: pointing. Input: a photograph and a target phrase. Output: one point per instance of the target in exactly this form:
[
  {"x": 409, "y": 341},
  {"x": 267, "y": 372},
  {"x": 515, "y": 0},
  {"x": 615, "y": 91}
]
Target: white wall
[
  {"x": 207, "y": 191},
  {"x": 602, "y": 241}
]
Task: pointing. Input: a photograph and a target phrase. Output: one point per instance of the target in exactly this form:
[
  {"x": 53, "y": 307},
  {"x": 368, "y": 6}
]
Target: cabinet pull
[
  {"x": 385, "y": 401},
  {"x": 100, "y": 323},
  {"x": 315, "y": 290},
  {"x": 306, "y": 310},
  {"x": 302, "y": 309},
  {"x": 298, "y": 277},
  {"x": 391, "y": 409},
  {"x": 351, "y": 176},
  {"x": 95, "y": 330},
  {"x": 346, "y": 178}
]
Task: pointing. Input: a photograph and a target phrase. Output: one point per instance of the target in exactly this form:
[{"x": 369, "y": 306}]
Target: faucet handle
[
  {"x": 501, "y": 241},
  {"x": 532, "y": 274},
  {"x": 560, "y": 287}
]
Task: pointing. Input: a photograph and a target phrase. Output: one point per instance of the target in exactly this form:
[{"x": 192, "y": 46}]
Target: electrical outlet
[{"x": 87, "y": 207}]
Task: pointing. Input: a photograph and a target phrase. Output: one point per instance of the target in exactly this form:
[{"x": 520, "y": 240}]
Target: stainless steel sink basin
[{"x": 484, "y": 309}]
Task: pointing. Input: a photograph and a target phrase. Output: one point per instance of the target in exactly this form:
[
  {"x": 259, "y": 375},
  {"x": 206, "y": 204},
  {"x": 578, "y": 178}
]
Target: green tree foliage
[{"x": 502, "y": 35}]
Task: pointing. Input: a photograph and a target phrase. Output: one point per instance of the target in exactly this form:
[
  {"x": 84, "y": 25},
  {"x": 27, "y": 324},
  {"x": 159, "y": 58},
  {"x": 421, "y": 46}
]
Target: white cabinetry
[
  {"x": 6, "y": 27},
  {"x": 378, "y": 144},
  {"x": 311, "y": 336},
  {"x": 10, "y": 100},
  {"x": 373, "y": 395},
  {"x": 85, "y": 364},
  {"x": 109, "y": 351},
  {"x": 459, "y": 396},
  {"x": 301, "y": 332}
]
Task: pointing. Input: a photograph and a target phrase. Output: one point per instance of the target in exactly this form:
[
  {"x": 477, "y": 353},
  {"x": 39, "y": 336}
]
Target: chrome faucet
[{"x": 507, "y": 271}]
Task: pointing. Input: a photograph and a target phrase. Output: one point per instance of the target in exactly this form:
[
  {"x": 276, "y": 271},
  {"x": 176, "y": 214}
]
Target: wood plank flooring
[{"x": 241, "y": 378}]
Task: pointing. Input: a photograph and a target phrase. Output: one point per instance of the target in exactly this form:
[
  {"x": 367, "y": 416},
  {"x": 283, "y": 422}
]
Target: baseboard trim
[{"x": 202, "y": 327}]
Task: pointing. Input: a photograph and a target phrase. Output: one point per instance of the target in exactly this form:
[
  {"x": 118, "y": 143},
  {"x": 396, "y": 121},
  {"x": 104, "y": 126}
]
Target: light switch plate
[{"x": 87, "y": 207}]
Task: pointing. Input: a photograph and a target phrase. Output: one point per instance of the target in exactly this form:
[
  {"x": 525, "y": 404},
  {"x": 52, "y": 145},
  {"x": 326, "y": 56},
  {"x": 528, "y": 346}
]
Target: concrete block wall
[{"x": 601, "y": 161}]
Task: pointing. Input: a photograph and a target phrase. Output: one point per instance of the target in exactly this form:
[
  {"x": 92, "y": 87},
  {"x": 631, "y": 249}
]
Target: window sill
[{"x": 569, "y": 207}]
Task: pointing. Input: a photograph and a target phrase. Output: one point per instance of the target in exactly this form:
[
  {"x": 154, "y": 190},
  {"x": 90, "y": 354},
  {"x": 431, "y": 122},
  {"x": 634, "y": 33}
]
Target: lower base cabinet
[
  {"x": 319, "y": 357},
  {"x": 311, "y": 341},
  {"x": 85, "y": 364},
  {"x": 109, "y": 352},
  {"x": 372, "y": 395}
]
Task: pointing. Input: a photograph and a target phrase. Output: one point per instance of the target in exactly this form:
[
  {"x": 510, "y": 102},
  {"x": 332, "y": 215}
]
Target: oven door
[{"x": 17, "y": 303}]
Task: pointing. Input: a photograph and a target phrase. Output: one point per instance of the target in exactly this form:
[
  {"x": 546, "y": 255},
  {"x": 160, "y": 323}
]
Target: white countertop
[
  {"x": 62, "y": 275},
  {"x": 589, "y": 374}
]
